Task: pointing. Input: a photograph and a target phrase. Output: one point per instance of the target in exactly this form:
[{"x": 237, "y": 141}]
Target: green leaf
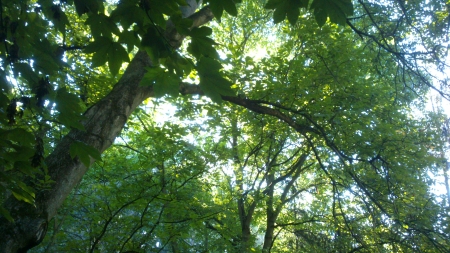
[
  {"x": 280, "y": 13},
  {"x": 116, "y": 56},
  {"x": 154, "y": 44},
  {"x": 296, "y": 4},
  {"x": 164, "y": 82},
  {"x": 100, "y": 57},
  {"x": 218, "y": 6},
  {"x": 26, "y": 72},
  {"x": 217, "y": 9},
  {"x": 5, "y": 213},
  {"x": 86, "y": 6},
  {"x": 70, "y": 109},
  {"x": 230, "y": 7},
  {"x": 22, "y": 192},
  {"x": 273, "y": 4},
  {"x": 168, "y": 84},
  {"x": 101, "y": 25},
  {"x": 289, "y": 8},
  {"x": 25, "y": 166},
  {"x": 105, "y": 50},
  {"x": 336, "y": 10},
  {"x": 18, "y": 135},
  {"x": 167, "y": 7},
  {"x": 4, "y": 101},
  {"x": 58, "y": 16},
  {"x": 26, "y": 189},
  {"x": 178, "y": 64},
  {"x": 84, "y": 152},
  {"x": 22, "y": 153},
  {"x": 150, "y": 76},
  {"x": 321, "y": 16},
  {"x": 130, "y": 39},
  {"x": 100, "y": 47},
  {"x": 23, "y": 196},
  {"x": 127, "y": 13},
  {"x": 201, "y": 31},
  {"x": 200, "y": 44},
  {"x": 292, "y": 15},
  {"x": 213, "y": 84},
  {"x": 182, "y": 25},
  {"x": 281, "y": 8}
]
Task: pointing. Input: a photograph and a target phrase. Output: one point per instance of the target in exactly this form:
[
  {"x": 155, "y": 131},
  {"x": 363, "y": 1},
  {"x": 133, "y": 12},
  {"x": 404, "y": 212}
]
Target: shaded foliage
[{"x": 280, "y": 126}]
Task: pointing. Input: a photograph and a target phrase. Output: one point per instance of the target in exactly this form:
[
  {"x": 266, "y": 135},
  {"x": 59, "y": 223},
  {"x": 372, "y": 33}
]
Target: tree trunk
[
  {"x": 273, "y": 209},
  {"x": 245, "y": 216},
  {"x": 271, "y": 215},
  {"x": 103, "y": 123},
  {"x": 270, "y": 228},
  {"x": 446, "y": 180}
]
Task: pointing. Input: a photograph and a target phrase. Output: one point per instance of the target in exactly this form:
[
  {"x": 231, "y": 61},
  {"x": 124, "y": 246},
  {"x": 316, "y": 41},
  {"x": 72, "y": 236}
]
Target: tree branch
[{"x": 103, "y": 123}]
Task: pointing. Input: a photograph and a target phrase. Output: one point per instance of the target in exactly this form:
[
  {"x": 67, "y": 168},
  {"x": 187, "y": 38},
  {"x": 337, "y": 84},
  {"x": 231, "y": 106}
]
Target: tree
[
  {"x": 133, "y": 198},
  {"x": 351, "y": 114}
]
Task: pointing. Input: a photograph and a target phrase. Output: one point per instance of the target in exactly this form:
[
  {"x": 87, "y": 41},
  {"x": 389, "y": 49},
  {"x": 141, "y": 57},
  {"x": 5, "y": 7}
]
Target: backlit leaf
[
  {"x": 116, "y": 56},
  {"x": 84, "y": 152},
  {"x": 163, "y": 82},
  {"x": 211, "y": 81},
  {"x": 70, "y": 109}
]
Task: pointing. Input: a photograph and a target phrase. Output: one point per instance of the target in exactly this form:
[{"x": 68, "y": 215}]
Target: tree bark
[
  {"x": 274, "y": 209},
  {"x": 103, "y": 123},
  {"x": 245, "y": 214},
  {"x": 271, "y": 215}
]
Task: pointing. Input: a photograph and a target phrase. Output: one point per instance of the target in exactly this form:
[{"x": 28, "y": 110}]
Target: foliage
[
  {"x": 281, "y": 126},
  {"x": 138, "y": 202}
]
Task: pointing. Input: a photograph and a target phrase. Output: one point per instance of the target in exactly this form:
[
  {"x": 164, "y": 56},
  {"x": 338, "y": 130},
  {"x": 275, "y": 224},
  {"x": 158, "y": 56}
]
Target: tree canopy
[{"x": 223, "y": 126}]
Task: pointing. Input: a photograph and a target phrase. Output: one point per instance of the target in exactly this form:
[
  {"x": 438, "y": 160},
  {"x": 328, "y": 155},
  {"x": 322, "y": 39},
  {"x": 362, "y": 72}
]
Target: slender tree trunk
[
  {"x": 446, "y": 179},
  {"x": 245, "y": 216},
  {"x": 271, "y": 215},
  {"x": 246, "y": 221},
  {"x": 273, "y": 209}
]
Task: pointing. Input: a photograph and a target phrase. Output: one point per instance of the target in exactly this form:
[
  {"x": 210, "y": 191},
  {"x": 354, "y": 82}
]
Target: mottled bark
[
  {"x": 103, "y": 123},
  {"x": 271, "y": 214}
]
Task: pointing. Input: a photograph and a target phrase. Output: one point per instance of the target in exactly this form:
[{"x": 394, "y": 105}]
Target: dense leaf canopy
[{"x": 224, "y": 126}]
